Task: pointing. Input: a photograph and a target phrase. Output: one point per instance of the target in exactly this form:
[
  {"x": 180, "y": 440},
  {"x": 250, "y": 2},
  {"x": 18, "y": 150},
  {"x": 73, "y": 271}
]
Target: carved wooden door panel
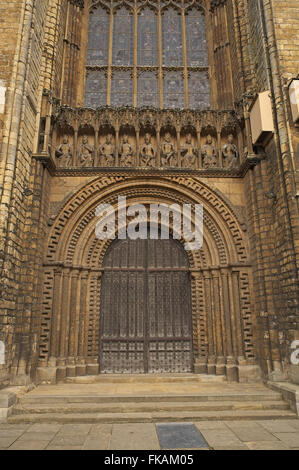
[{"x": 145, "y": 308}]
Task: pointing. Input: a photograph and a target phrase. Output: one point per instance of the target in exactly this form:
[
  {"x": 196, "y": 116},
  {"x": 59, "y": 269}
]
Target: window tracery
[{"x": 143, "y": 53}]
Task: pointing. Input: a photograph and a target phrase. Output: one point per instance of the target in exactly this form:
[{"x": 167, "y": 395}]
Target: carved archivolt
[
  {"x": 73, "y": 266},
  {"x": 76, "y": 221}
]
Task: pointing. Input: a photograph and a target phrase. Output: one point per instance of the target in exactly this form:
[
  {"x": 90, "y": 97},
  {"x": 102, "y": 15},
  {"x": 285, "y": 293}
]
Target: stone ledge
[
  {"x": 289, "y": 391},
  {"x": 7, "y": 401},
  {"x": 9, "y": 397}
]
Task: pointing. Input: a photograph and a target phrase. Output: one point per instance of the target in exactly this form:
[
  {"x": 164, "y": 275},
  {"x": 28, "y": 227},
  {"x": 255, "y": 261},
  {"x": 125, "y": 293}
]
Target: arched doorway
[{"x": 146, "y": 315}]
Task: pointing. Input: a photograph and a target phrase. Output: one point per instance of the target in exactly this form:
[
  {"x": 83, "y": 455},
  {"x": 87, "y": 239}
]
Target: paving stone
[
  {"x": 289, "y": 438},
  {"x": 211, "y": 425},
  {"x": 75, "y": 429},
  {"x": 267, "y": 445},
  {"x": 97, "y": 443},
  {"x": 64, "y": 448},
  {"x": 295, "y": 423},
  {"x": 221, "y": 438},
  {"x": 5, "y": 442},
  {"x": 14, "y": 427},
  {"x": 134, "y": 437},
  {"x": 251, "y": 433},
  {"x": 242, "y": 423},
  {"x": 11, "y": 433},
  {"x": 102, "y": 429},
  {"x": 235, "y": 447},
  {"x": 37, "y": 436},
  {"x": 277, "y": 426},
  {"x": 29, "y": 445},
  {"x": 180, "y": 436},
  {"x": 63, "y": 441},
  {"x": 99, "y": 437},
  {"x": 42, "y": 427}
]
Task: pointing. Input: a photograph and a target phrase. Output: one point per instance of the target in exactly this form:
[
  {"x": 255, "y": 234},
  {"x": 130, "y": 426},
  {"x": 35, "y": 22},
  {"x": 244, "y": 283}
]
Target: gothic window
[
  {"x": 147, "y": 38},
  {"x": 172, "y": 39},
  {"x": 148, "y": 89},
  {"x": 95, "y": 90},
  {"x": 122, "y": 50},
  {"x": 98, "y": 37},
  {"x": 197, "y": 52},
  {"x": 147, "y": 55},
  {"x": 121, "y": 88},
  {"x": 173, "y": 90},
  {"x": 199, "y": 91}
]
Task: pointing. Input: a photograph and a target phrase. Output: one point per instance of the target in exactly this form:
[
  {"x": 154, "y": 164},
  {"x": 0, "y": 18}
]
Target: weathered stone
[{"x": 243, "y": 284}]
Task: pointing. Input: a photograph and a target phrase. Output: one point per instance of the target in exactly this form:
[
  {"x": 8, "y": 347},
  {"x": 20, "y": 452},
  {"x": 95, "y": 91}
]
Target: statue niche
[
  {"x": 126, "y": 152},
  {"x": 64, "y": 153},
  {"x": 230, "y": 153},
  {"x": 168, "y": 154},
  {"x": 85, "y": 153},
  {"x": 107, "y": 152},
  {"x": 209, "y": 154},
  {"x": 189, "y": 153},
  {"x": 147, "y": 152}
]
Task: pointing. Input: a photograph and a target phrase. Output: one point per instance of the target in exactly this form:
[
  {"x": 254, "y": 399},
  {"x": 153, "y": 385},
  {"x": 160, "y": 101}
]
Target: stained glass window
[
  {"x": 197, "y": 52},
  {"x": 95, "y": 89},
  {"x": 147, "y": 38},
  {"x": 98, "y": 37},
  {"x": 199, "y": 90},
  {"x": 173, "y": 90},
  {"x": 148, "y": 89},
  {"x": 139, "y": 62},
  {"x": 122, "y": 50},
  {"x": 172, "y": 38},
  {"x": 121, "y": 88}
]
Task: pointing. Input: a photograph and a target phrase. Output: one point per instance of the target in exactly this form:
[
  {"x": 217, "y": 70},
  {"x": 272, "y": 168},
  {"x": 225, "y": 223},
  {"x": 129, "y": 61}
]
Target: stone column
[
  {"x": 199, "y": 322},
  {"x": 73, "y": 325},
  {"x": 179, "y": 157},
  {"x": 64, "y": 325},
  {"x": 210, "y": 324},
  {"x": 83, "y": 325}
]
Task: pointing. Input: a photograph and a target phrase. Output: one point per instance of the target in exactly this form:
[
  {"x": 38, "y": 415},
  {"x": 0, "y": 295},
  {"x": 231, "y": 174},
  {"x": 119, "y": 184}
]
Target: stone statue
[
  {"x": 85, "y": 153},
  {"x": 64, "y": 153},
  {"x": 168, "y": 156},
  {"x": 126, "y": 152},
  {"x": 107, "y": 151},
  {"x": 147, "y": 152},
  {"x": 189, "y": 153},
  {"x": 209, "y": 154},
  {"x": 230, "y": 153}
]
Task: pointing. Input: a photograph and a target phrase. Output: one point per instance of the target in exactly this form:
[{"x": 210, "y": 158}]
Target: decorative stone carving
[
  {"x": 230, "y": 153},
  {"x": 126, "y": 153},
  {"x": 189, "y": 153},
  {"x": 209, "y": 154},
  {"x": 147, "y": 152},
  {"x": 112, "y": 152},
  {"x": 107, "y": 152},
  {"x": 85, "y": 153},
  {"x": 64, "y": 153},
  {"x": 168, "y": 155}
]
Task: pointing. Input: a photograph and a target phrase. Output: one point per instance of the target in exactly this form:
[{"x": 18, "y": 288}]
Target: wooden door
[{"x": 146, "y": 308}]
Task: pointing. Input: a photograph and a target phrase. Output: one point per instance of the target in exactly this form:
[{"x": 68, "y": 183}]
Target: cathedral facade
[{"x": 174, "y": 102}]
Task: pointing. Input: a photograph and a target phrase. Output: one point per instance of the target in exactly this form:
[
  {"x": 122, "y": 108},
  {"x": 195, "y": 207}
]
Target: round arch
[{"x": 220, "y": 276}]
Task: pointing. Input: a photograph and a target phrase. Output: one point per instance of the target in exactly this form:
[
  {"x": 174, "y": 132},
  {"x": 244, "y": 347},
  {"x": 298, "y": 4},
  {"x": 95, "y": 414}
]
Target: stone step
[
  {"x": 154, "y": 417},
  {"x": 34, "y": 398},
  {"x": 148, "y": 407},
  {"x": 146, "y": 378}
]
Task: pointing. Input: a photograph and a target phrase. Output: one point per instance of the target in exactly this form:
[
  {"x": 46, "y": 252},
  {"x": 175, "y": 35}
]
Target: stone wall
[
  {"x": 18, "y": 200},
  {"x": 286, "y": 17},
  {"x": 43, "y": 44}
]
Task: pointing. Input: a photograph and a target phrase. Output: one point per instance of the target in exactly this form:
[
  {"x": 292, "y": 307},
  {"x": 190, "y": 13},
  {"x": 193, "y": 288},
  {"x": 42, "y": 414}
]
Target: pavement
[{"x": 280, "y": 434}]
